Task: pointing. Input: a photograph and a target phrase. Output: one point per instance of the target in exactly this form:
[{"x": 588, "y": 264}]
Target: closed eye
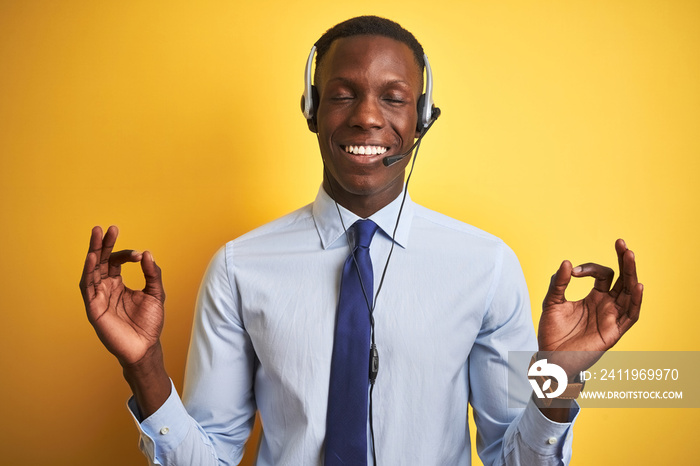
[{"x": 394, "y": 101}]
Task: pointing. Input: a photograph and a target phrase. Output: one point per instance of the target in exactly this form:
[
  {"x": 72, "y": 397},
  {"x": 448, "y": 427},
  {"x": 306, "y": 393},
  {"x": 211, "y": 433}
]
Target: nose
[{"x": 367, "y": 114}]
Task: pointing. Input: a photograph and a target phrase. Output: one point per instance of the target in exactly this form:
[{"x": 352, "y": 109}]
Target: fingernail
[
  {"x": 578, "y": 269},
  {"x": 136, "y": 253}
]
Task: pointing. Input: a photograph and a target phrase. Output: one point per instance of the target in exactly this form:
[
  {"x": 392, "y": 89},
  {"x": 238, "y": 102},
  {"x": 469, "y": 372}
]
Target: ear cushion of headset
[
  {"x": 421, "y": 104},
  {"x": 314, "y": 109}
]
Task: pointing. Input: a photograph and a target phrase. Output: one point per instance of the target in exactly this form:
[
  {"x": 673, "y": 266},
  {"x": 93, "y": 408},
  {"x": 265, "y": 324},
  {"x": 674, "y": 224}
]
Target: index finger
[{"x": 603, "y": 275}]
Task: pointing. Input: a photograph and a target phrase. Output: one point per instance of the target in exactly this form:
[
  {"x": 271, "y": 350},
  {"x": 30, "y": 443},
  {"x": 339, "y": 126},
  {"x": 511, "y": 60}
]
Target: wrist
[
  {"x": 148, "y": 380},
  {"x": 553, "y": 385},
  {"x": 150, "y": 362}
]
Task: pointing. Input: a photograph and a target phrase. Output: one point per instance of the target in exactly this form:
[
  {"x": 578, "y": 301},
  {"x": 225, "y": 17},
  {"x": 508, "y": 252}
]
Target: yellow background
[{"x": 565, "y": 126}]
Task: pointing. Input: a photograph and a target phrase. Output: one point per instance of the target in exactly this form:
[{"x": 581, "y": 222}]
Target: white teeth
[{"x": 365, "y": 150}]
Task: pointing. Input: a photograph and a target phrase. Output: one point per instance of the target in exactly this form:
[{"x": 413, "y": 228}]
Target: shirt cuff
[
  {"x": 545, "y": 436},
  {"x": 164, "y": 430}
]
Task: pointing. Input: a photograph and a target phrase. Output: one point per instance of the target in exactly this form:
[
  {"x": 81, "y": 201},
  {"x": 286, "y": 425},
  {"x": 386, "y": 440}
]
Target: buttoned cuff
[
  {"x": 545, "y": 436},
  {"x": 164, "y": 430}
]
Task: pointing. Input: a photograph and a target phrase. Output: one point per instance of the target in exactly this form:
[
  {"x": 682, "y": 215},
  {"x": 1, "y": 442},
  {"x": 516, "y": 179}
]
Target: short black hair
[{"x": 368, "y": 25}]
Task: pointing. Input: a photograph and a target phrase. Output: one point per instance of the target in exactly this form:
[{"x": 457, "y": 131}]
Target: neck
[{"x": 362, "y": 205}]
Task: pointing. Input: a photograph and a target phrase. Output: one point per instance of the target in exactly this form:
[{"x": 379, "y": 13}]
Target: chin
[{"x": 368, "y": 188}]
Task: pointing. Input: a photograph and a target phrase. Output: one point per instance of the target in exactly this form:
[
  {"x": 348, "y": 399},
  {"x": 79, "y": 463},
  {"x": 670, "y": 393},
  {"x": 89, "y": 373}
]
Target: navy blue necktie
[{"x": 346, "y": 420}]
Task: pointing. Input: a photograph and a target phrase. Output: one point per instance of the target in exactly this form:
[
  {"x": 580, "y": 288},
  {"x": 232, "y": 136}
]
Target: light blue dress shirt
[{"x": 453, "y": 304}]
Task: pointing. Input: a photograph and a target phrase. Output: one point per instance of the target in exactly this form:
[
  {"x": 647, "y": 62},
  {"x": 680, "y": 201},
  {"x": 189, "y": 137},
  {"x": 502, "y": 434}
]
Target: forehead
[{"x": 372, "y": 56}]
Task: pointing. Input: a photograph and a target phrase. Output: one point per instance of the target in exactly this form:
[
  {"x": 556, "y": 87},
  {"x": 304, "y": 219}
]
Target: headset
[{"x": 427, "y": 111}]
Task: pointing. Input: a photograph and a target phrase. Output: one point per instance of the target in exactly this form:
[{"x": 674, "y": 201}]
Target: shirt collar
[{"x": 330, "y": 228}]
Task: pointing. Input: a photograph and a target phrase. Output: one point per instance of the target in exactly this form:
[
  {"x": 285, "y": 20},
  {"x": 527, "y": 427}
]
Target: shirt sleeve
[
  {"x": 510, "y": 428},
  {"x": 214, "y": 419},
  {"x": 170, "y": 434},
  {"x": 532, "y": 438}
]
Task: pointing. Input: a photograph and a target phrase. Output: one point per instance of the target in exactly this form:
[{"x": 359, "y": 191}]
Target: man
[{"x": 444, "y": 302}]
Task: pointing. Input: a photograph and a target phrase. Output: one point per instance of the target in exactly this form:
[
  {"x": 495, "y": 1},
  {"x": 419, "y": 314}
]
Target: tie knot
[{"x": 364, "y": 231}]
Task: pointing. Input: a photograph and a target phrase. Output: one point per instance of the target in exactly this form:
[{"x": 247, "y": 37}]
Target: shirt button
[
  {"x": 165, "y": 430},
  {"x": 550, "y": 440}
]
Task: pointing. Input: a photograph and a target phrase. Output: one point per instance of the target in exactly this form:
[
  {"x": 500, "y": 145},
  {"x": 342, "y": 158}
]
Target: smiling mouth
[{"x": 365, "y": 150}]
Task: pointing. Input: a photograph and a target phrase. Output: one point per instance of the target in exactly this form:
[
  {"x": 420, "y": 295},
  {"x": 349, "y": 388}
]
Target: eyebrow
[{"x": 392, "y": 82}]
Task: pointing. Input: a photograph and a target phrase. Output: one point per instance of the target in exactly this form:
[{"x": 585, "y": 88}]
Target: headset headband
[
  {"x": 307, "y": 98},
  {"x": 427, "y": 115}
]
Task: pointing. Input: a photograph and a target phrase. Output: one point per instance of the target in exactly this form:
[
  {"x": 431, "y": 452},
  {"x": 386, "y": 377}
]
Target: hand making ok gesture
[
  {"x": 128, "y": 322},
  {"x": 595, "y": 323}
]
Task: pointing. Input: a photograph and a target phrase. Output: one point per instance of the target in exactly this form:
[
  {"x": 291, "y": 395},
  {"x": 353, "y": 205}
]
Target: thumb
[
  {"x": 557, "y": 285},
  {"x": 152, "y": 274}
]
